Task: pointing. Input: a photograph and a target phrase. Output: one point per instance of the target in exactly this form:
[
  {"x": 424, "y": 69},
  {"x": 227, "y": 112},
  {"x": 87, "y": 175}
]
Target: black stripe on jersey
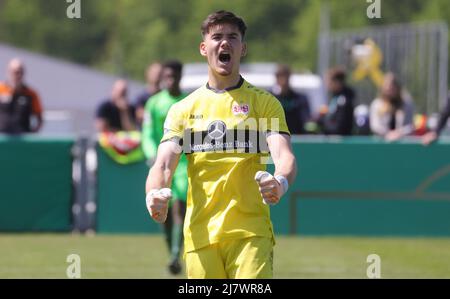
[
  {"x": 235, "y": 141},
  {"x": 278, "y": 132},
  {"x": 241, "y": 81},
  {"x": 177, "y": 140}
]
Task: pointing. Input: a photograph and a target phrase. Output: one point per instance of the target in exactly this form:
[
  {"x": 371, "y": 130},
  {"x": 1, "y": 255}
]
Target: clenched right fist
[{"x": 157, "y": 202}]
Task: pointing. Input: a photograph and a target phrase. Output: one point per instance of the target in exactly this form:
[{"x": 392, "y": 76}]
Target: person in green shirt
[{"x": 155, "y": 113}]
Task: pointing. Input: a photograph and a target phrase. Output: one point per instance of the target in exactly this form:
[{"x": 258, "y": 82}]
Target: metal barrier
[{"x": 417, "y": 52}]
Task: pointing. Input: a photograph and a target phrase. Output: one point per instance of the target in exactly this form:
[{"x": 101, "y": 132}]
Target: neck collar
[{"x": 241, "y": 81}]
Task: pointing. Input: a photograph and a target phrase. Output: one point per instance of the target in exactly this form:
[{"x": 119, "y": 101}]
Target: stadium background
[{"x": 62, "y": 193}]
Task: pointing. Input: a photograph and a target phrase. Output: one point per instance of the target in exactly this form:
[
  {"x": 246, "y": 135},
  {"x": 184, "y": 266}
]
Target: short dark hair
[
  {"x": 223, "y": 17},
  {"x": 337, "y": 74},
  {"x": 175, "y": 65},
  {"x": 283, "y": 70}
]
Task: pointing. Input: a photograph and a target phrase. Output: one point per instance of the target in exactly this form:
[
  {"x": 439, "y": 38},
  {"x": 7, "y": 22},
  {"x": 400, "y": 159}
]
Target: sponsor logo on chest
[{"x": 195, "y": 116}]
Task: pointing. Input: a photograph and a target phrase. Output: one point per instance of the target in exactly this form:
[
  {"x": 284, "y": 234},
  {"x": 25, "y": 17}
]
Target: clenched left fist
[{"x": 271, "y": 188}]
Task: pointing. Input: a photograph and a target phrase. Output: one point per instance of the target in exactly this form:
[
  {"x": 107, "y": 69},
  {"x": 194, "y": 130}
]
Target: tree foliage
[{"x": 123, "y": 36}]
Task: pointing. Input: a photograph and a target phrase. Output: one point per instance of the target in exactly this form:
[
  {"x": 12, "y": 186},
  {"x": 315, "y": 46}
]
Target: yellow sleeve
[
  {"x": 273, "y": 116},
  {"x": 174, "y": 124}
]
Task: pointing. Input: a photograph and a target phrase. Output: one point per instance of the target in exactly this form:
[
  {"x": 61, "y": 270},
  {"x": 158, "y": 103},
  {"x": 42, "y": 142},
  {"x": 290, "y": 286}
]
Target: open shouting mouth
[{"x": 224, "y": 57}]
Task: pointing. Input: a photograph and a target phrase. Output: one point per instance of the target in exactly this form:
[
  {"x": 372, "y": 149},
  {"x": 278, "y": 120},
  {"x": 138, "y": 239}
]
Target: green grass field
[{"x": 141, "y": 256}]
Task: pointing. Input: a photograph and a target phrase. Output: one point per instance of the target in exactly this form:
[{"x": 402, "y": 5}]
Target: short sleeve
[
  {"x": 272, "y": 118},
  {"x": 174, "y": 124},
  {"x": 102, "y": 110}
]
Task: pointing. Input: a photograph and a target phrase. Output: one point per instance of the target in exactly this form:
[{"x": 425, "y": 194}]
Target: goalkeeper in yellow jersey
[{"x": 226, "y": 128}]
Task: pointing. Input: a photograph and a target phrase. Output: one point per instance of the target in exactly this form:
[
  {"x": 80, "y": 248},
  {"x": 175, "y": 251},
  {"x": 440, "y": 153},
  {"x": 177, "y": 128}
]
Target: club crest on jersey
[{"x": 240, "y": 109}]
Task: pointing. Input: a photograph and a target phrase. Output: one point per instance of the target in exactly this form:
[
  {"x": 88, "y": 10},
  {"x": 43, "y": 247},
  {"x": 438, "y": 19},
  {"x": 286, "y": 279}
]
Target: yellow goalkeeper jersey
[{"x": 223, "y": 134}]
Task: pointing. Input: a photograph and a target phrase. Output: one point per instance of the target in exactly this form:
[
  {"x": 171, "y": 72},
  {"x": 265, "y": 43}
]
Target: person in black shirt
[
  {"x": 116, "y": 114},
  {"x": 337, "y": 117},
  {"x": 432, "y": 136},
  {"x": 296, "y": 105},
  {"x": 20, "y": 106}
]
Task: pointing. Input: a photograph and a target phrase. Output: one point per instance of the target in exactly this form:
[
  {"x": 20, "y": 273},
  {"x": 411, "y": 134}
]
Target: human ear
[
  {"x": 244, "y": 49},
  {"x": 202, "y": 49}
]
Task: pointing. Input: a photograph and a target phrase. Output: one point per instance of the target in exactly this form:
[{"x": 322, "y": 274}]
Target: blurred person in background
[
  {"x": 20, "y": 106},
  {"x": 153, "y": 79},
  {"x": 155, "y": 114},
  {"x": 116, "y": 114},
  {"x": 433, "y": 135},
  {"x": 337, "y": 117},
  {"x": 295, "y": 105},
  {"x": 391, "y": 113}
]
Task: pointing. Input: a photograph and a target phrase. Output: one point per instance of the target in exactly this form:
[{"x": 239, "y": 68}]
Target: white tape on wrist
[
  {"x": 283, "y": 182},
  {"x": 165, "y": 192}
]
